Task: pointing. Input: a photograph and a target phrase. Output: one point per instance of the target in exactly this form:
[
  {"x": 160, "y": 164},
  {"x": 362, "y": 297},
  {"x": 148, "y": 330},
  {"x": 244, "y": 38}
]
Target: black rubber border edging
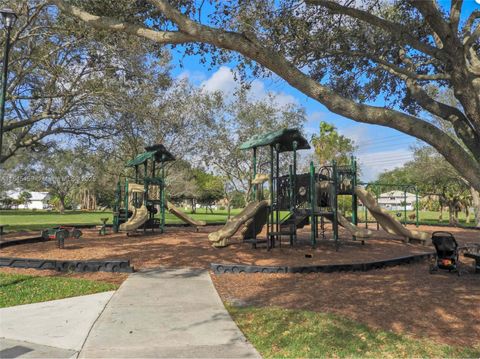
[
  {"x": 325, "y": 268},
  {"x": 15, "y": 242},
  {"x": 116, "y": 266}
]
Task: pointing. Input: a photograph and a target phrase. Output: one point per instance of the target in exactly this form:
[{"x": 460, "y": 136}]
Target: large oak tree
[
  {"x": 344, "y": 54},
  {"x": 66, "y": 79}
]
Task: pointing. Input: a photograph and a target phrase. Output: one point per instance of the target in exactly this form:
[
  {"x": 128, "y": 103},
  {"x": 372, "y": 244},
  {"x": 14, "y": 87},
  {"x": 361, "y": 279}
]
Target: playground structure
[
  {"x": 296, "y": 200},
  {"x": 137, "y": 203}
]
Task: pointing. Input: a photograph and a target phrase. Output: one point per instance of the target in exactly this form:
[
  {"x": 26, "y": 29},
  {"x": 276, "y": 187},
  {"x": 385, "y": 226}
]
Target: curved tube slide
[
  {"x": 139, "y": 215},
  {"x": 138, "y": 218},
  {"x": 386, "y": 221},
  {"x": 220, "y": 238}
]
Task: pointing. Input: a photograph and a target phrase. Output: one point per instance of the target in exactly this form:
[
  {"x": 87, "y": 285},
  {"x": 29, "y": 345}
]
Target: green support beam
[
  {"x": 271, "y": 240},
  {"x": 335, "y": 203},
  {"x": 313, "y": 238},
  {"x": 162, "y": 200},
  {"x": 254, "y": 160},
  {"x": 416, "y": 207}
]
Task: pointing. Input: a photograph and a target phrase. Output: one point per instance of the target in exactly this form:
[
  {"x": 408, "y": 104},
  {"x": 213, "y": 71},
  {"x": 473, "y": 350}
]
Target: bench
[{"x": 475, "y": 256}]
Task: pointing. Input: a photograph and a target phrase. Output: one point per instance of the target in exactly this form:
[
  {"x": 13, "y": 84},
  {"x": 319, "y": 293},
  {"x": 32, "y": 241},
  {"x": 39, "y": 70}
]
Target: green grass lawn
[
  {"x": 282, "y": 333},
  {"x": 16, "y": 289},
  {"x": 28, "y": 220}
]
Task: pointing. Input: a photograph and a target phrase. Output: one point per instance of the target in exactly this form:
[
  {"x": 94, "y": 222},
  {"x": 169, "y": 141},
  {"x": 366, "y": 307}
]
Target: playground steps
[
  {"x": 289, "y": 228},
  {"x": 298, "y": 219},
  {"x": 281, "y": 233}
]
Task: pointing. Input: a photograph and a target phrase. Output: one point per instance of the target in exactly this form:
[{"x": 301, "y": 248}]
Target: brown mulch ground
[
  {"x": 403, "y": 299},
  {"x": 183, "y": 247},
  {"x": 7, "y": 237}
]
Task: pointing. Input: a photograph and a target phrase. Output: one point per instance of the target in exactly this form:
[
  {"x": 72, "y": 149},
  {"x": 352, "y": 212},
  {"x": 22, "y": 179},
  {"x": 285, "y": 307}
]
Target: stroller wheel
[{"x": 461, "y": 270}]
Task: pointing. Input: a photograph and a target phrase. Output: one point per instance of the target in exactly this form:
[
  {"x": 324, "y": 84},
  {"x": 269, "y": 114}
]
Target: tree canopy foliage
[
  {"x": 234, "y": 122},
  {"x": 67, "y": 79},
  {"x": 330, "y": 145},
  {"x": 435, "y": 178},
  {"x": 341, "y": 53}
]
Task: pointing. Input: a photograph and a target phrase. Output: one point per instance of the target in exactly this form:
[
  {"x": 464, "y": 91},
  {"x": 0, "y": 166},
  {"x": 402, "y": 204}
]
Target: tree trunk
[
  {"x": 476, "y": 206},
  {"x": 194, "y": 207},
  {"x": 246, "y": 197},
  {"x": 61, "y": 204},
  {"x": 451, "y": 215},
  {"x": 229, "y": 209}
]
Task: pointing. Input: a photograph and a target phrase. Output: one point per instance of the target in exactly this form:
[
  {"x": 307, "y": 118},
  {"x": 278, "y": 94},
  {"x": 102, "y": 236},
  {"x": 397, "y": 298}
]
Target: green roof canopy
[
  {"x": 156, "y": 152},
  {"x": 284, "y": 137}
]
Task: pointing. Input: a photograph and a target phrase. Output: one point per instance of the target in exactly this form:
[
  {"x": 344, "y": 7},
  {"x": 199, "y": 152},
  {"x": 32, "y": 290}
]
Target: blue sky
[{"x": 380, "y": 148}]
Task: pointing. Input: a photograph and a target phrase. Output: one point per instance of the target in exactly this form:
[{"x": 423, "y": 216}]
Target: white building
[
  {"x": 39, "y": 200},
  {"x": 394, "y": 200}
]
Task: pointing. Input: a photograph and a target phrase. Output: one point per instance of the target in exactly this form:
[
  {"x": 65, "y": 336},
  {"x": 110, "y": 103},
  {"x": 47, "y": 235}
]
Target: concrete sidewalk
[
  {"x": 52, "y": 329},
  {"x": 166, "y": 313},
  {"x": 20, "y": 349}
]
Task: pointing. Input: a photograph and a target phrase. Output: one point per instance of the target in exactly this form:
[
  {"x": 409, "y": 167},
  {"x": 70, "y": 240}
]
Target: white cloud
[
  {"x": 221, "y": 80},
  {"x": 193, "y": 76},
  {"x": 224, "y": 80}
]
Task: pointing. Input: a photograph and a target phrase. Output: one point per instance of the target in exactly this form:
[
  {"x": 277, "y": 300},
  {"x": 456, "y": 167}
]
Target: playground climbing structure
[
  {"x": 295, "y": 200},
  {"x": 139, "y": 201}
]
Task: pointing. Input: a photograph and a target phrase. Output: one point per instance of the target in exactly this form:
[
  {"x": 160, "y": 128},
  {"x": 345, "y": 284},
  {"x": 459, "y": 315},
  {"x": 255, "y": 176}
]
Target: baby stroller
[{"x": 446, "y": 256}]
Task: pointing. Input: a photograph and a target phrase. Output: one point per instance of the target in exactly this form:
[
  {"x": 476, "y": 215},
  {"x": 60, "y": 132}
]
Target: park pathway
[
  {"x": 53, "y": 329},
  {"x": 174, "y": 313}
]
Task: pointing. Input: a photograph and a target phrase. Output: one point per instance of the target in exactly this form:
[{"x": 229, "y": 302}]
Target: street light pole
[{"x": 8, "y": 17}]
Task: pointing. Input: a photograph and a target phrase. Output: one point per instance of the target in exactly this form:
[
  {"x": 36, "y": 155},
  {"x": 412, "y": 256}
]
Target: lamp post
[{"x": 8, "y": 17}]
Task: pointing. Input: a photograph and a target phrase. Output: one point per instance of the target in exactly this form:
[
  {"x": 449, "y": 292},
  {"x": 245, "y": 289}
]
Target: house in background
[
  {"x": 394, "y": 200},
  {"x": 39, "y": 200}
]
